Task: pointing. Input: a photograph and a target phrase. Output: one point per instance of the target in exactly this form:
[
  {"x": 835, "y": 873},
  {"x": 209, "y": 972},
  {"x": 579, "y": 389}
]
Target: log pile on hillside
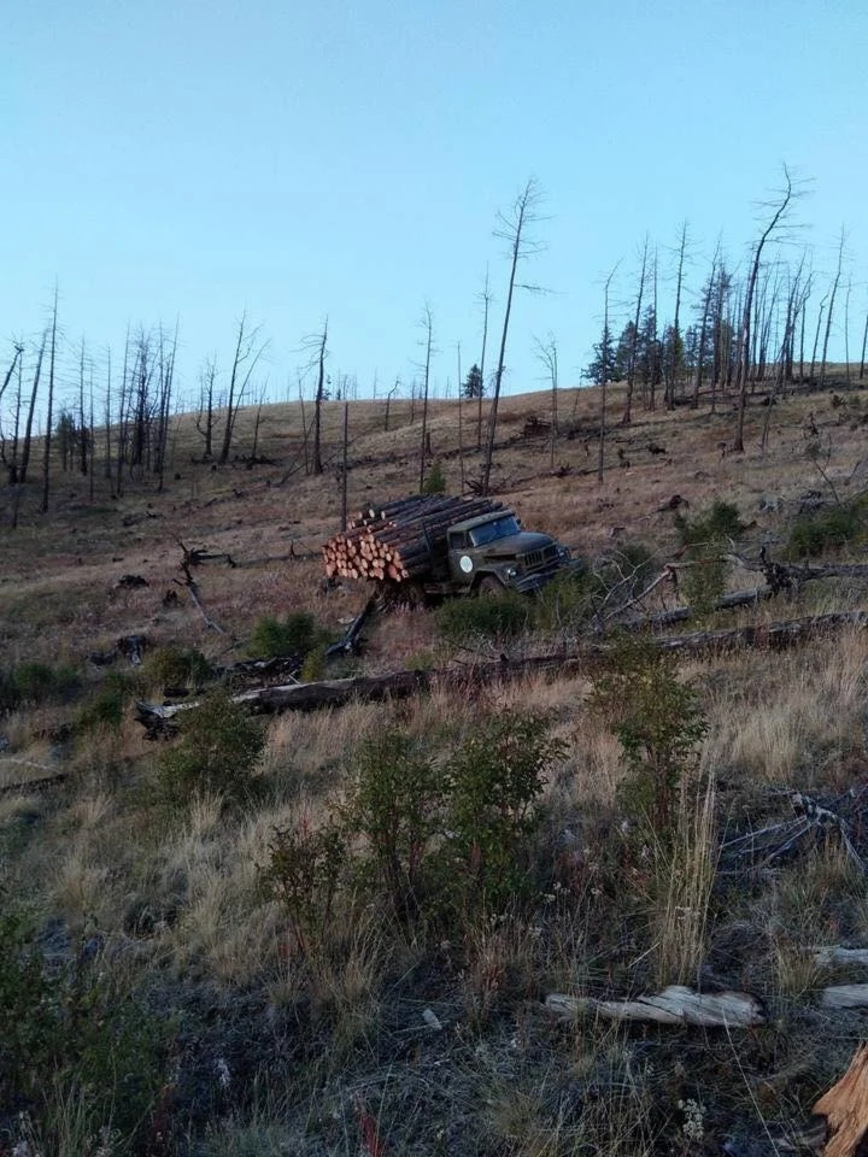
[{"x": 395, "y": 541}]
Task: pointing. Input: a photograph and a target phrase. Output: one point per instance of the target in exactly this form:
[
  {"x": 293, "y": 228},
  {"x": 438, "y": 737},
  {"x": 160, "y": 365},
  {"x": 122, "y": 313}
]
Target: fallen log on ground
[
  {"x": 833, "y": 956},
  {"x": 676, "y": 1005},
  {"x": 401, "y": 684},
  {"x": 845, "y": 996}
]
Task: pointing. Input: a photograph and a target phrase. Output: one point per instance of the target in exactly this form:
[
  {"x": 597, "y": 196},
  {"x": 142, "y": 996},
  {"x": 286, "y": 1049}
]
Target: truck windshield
[{"x": 499, "y": 528}]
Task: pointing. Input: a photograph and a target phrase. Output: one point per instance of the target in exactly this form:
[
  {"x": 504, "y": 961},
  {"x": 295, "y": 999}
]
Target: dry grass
[{"x": 178, "y": 894}]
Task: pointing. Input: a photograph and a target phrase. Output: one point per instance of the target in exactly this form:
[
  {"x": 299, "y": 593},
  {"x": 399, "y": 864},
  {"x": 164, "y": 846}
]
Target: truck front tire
[{"x": 489, "y": 586}]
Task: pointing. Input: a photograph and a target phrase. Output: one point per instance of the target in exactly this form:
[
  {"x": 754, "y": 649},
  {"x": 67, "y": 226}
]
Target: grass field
[{"x": 334, "y": 932}]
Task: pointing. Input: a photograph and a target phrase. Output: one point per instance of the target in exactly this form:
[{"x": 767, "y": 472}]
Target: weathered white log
[
  {"x": 845, "y": 996},
  {"x": 676, "y": 1004},
  {"x": 832, "y": 955}
]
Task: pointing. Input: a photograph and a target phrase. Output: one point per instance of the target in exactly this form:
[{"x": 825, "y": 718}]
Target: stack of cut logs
[{"x": 395, "y": 541}]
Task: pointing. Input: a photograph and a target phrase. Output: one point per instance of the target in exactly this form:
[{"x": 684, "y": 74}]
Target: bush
[
  {"x": 814, "y": 534},
  {"x": 297, "y": 634},
  {"x": 31, "y": 684},
  {"x": 706, "y": 538},
  {"x": 303, "y": 875},
  {"x": 218, "y": 750},
  {"x": 499, "y": 619},
  {"x": 659, "y": 723},
  {"x": 108, "y": 706},
  {"x": 395, "y": 801},
  {"x": 493, "y": 783},
  {"x": 71, "y": 1036},
  {"x": 721, "y": 522},
  {"x": 178, "y": 667}
]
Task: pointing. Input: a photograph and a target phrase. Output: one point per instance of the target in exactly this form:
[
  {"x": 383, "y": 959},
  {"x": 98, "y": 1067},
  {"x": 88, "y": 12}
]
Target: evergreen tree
[
  {"x": 602, "y": 368},
  {"x": 474, "y": 386}
]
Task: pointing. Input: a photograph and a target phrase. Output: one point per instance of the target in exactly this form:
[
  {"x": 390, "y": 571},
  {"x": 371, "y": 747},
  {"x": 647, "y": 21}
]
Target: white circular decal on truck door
[{"x": 466, "y": 563}]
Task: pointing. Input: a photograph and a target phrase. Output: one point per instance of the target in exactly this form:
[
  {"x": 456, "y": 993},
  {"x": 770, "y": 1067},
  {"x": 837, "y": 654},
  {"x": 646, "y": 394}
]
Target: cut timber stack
[{"x": 396, "y": 541}]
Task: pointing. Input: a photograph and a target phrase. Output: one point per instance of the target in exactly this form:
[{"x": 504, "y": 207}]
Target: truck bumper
[{"x": 536, "y": 580}]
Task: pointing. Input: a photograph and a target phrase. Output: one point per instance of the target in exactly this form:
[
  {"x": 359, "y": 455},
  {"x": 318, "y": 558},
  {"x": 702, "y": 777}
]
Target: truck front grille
[{"x": 534, "y": 559}]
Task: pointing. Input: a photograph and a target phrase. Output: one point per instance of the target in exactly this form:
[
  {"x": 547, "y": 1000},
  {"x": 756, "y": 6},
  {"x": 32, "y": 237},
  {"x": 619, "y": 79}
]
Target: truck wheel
[{"x": 489, "y": 586}]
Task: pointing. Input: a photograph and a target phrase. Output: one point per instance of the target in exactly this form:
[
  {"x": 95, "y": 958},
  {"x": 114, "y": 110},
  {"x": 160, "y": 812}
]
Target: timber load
[{"x": 397, "y": 541}]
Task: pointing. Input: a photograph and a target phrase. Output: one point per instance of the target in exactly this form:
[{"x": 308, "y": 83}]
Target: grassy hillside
[{"x": 334, "y": 932}]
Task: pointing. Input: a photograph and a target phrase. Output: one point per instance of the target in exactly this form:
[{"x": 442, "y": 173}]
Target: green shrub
[
  {"x": 659, "y": 723},
  {"x": 297, "y": 634},
  {"x": 827, "y": 530},
  {"x": 566, "y": 603},
  {"x": 71, "y": 1036},
  {"x": 218, "y": 749},
  {"x": 395, "y": 801},
  {"x": 32, "y": 684},
  {"x": 314, "y": 665},
  {"x": 707, "y": 538},
  {"x": 499, "y": 619},
  {"x": 178, "y": 667},
  {"x": 493, "y": 784},
  {"x": 108, "y": 704},
  {"x": 721, "y": 522},
  {"x": 303, "y": 875}
]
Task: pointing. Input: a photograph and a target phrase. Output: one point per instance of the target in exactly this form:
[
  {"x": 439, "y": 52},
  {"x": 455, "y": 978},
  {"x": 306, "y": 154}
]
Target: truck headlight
[
  {"x": 511, "y": 572},
  {"x": 563, "y": 552}
]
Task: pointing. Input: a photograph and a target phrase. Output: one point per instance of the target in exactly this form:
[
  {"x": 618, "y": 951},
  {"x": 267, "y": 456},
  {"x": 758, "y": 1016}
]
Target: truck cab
[{"x": 491, "y": 552}]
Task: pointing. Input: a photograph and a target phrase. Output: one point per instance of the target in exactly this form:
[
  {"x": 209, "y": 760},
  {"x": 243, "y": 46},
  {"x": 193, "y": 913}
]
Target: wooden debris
[
  {"x": 813, "y": 815},
  {"x": 845, "y": 1107},
  {"x": 676, "y": 1004},
  {"x": 833, "y": 956},
  {"x": 845, "y": 996},
  {"x": 400, "y": 684}
]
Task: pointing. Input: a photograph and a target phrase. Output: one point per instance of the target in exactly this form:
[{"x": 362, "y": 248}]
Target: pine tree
[{"x": 473, "y": 386}]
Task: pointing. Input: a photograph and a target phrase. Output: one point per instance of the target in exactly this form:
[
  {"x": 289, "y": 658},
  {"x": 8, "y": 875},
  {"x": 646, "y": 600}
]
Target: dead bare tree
[
  {"x": 704, "y": 322},
  {"x": 206, "y": 416},
  {"x": 389, "y": 397},
  {"x": 165, "y": 379},
  {"x": 780, "y": 209},
  {"x": 627, "y": 416},
  {"x": 107, "y": 467},
  {"x": 820, "y": 311},
  {"x": 19, "y": 350},
  {"x": 547, "y": 353},
  {"x": 485, "y": 298},
  {"x": 832, "y": 292},
  {"x": 512, "y": 229},
  {"x": 864, "y": 345},
  {"x": 248, "y": 350},
  {"x": 847, "y": 329},
  {"x": 82, "y": 427},
  {"x": 604, "y": 372},
  {"x": 19, "y": 393},
  {"x": 257, "y": 421},
  {"x": 316, "y": 344},
  {"x": 21, "y": 473},
  {"x": 675, "y": 350},
  {"x": 46, "y": 455},
  {"x": 427, "y": 325}
]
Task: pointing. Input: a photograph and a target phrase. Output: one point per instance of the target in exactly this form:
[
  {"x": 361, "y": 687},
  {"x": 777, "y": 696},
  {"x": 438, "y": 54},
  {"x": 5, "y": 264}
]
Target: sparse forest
[{"x": 582, "y": 873}]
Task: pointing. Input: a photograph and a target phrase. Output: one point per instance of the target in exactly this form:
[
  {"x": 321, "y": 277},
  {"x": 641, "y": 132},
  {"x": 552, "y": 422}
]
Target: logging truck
[{"x": 445, "y": 546}]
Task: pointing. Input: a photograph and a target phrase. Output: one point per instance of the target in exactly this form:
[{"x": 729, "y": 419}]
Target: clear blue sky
[{"x": 189, "y": 160}]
